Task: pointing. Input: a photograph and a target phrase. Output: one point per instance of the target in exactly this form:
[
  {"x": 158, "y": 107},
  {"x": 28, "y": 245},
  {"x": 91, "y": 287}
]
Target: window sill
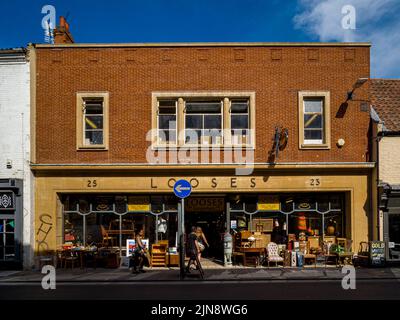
[
  {"x": 92, "y": 148},
  {"x": 202, "y": 147},
  {"x": 324, "y": 146}
]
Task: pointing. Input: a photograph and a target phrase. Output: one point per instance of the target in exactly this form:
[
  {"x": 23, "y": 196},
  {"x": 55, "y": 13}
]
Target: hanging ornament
[{"x": 302, "y": 224}]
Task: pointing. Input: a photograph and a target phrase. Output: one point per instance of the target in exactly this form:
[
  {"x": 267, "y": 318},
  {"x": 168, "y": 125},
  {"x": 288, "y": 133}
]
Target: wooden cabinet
[
  {"x": 158, "y": 255},
  {"x": 172, "y": 260}
]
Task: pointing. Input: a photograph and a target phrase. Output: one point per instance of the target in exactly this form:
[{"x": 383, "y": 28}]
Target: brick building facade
[{"x": 321, "y": 174}]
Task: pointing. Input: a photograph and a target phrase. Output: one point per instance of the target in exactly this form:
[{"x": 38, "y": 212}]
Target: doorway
[{"x": 209, "y": 214}]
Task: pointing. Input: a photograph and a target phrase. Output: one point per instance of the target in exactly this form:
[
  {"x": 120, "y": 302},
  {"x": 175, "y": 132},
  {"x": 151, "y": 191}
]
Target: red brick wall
[{"x": 131, "y": 74}]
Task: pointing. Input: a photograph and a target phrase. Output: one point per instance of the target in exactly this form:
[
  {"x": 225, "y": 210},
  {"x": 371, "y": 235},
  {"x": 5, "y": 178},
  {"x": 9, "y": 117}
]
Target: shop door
[
  {"x": 393, "y": 235},
  {"x": 7, "y": 239}
]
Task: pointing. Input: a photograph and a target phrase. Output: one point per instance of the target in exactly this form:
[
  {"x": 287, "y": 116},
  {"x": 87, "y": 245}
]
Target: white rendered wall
[{"x": 15, "y": 139}]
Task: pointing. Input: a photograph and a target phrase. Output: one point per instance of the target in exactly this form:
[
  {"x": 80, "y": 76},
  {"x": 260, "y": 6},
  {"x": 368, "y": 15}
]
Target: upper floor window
[
  {"x": 167, "y": 122},
  {"x": 314, "y": 120},
  {"x": 240, "y": 122},
  {"x": 203, "y": 119},
  {"x": 203, "y": 122},
  {"x": 92, "y": 120}
]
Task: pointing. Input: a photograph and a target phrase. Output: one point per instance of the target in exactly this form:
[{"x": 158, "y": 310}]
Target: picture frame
[{"x": 131, "y": 245}]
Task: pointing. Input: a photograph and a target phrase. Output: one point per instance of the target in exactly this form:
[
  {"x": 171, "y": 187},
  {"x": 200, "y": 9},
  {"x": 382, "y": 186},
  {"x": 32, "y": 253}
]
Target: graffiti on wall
[{"x": 43, "y": 231}]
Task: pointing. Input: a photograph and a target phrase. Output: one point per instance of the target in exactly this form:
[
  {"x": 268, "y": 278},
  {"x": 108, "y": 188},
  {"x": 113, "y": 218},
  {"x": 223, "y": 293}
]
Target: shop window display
[
  {"x": 107, "y": 221},
  {"x": 294, "y": 222}
]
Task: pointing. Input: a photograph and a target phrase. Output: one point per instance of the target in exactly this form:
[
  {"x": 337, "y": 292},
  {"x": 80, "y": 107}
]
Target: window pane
[
  {"x": 167, "y": 121},
  {"x": 1, "y": 239},
  {"x": 10, "y": 253},
  {"x": 212, "y": 121},
  {"x": 239, "y": 107},
  {"x": 167, "y": 105},
  {"x": 313, "y": 134},
  {"x": 10, "y": 225},
  {"x": 93, "y": 137},
  {"x": 314, "y": 105},
  {"x": 214, "y": 136},
  {"x": 203, "y": 107},
  {"x": 192, "y": 136},
  {"x": 73, "y": 228},
  {"x": 93, "y": 106},
  {"x": 239, "y": 122},
  {"x": 9, "y": 239},
  {"x": 313, "y": 121},
  {"x": 167, "y": 136},
  {"x": 194, "y": 122},
  {"x": 93, "y": 122}
]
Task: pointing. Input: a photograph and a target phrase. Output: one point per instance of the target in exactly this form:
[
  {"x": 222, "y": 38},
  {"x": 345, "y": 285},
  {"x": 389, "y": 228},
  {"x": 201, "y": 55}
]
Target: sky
[{"x": 124, "y": 21}]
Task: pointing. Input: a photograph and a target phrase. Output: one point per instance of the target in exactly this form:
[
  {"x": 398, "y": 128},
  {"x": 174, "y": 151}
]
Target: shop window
[
  {"x": 314, "y": 116},
  {"x": 92, "y": 120},
  {"x": 166, "y": 120},
  {"x": 108, "y": 220},
  {"x": 203, "y": 122}
]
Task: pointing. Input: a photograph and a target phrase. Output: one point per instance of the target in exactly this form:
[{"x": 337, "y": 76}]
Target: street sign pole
[
  {"x": 182, "y": 189},
  {"x": 181, "y": 222}
]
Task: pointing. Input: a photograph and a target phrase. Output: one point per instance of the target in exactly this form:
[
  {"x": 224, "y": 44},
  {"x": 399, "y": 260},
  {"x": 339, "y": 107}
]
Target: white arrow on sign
[{"x": 179, "y": 188}]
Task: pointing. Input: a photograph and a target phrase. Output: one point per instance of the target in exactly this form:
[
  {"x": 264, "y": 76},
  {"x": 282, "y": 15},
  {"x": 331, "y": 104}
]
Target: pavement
[{"x": 122, "y": 274}]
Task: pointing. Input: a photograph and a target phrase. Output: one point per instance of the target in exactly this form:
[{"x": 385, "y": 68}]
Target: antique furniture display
[
  {"x": 273, "y": 256},
  {"x": 158, "y": 255}
]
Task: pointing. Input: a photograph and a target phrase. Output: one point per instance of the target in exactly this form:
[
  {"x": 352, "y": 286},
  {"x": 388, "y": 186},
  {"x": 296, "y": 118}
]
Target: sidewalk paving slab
[{"x": 275, "y": 273}]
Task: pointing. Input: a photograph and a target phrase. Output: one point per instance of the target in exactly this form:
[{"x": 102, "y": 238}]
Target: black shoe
[{"x": 142, "y": 271}]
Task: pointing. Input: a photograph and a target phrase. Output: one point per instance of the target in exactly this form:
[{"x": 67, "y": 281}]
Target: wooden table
[{"x": 252, "y": 255}]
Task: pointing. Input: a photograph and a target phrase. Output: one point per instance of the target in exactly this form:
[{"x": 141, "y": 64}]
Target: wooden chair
[
  {"x": 107, "y": 239},
  {"x": 347, "y": 255},
  {"x": 310, "y": 256},
  {"x": 70, "y": 257},
  {"x": 362, "y": 257}
]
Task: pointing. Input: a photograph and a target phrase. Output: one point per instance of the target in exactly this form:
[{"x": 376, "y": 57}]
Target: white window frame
[{"x": 326, "y": 141}]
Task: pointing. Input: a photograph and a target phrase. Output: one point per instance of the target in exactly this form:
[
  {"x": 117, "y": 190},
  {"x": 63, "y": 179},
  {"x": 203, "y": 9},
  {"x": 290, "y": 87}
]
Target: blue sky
[{"x": 213, "y": 20}]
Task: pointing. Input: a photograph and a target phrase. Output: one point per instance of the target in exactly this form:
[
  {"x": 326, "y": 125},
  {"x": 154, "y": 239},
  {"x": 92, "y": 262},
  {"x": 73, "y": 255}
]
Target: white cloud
[{"x": 376, "y": 21}]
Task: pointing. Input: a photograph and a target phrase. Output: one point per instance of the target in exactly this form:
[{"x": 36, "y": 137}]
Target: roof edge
[{"x": 206, "y": 44}]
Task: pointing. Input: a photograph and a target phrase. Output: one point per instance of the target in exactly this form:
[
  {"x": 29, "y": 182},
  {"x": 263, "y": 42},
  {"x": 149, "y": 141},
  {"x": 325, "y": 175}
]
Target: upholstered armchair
[{"x": 273, "y": 256}]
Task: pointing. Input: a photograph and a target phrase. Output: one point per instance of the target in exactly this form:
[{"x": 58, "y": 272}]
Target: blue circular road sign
[{"x": 182, "y": 188}]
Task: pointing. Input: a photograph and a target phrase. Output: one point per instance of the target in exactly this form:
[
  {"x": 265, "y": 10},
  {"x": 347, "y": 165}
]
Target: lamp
[{"x": 356, "y": 85}]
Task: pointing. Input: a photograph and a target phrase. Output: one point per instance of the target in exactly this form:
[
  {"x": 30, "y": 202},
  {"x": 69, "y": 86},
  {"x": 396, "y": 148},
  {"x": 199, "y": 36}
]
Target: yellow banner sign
[
  {"x": 268, "y": 203},
  {"x": 138, "y": 203}
]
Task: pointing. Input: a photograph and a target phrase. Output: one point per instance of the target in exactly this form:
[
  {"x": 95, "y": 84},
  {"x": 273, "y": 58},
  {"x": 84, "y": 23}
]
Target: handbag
[{"x": 201, "y": 246}]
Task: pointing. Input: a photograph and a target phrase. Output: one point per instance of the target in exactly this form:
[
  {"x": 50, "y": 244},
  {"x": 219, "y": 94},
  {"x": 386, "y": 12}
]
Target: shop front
[
  {"x": 11, "y": 223},
  {"x": 390, "y": 207},
  {"x": 105, "y": 211}
]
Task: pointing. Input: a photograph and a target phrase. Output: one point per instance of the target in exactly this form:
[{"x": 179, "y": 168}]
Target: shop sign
[
  {"x": 204, "y": 204},
  {"x": 268, "y": 203},
  {"x": 6, "y": 200},
  {"x": 138, "y": 203},
  {"x": 377, "y": 253}
]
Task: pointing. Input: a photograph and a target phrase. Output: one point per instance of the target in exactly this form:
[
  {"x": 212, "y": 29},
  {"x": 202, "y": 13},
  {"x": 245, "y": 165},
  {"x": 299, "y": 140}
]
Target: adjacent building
[
  {"x": 263, "y": 131},
  {"x": 385, "y": 101},
  {"x": 16, "y": 179}
]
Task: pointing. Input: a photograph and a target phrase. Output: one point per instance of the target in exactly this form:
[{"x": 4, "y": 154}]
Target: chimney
[{"x": 61, "y": 33}]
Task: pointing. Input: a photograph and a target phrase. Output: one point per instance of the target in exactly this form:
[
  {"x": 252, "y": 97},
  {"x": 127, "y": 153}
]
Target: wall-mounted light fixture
[
  {"x": 356, "y": 85},
  {"x": 340, "y": 143}
]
